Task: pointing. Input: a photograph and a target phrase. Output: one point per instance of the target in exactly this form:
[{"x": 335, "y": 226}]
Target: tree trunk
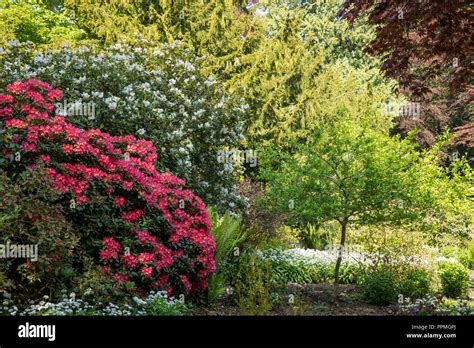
[{"x": 339, "y": 259}]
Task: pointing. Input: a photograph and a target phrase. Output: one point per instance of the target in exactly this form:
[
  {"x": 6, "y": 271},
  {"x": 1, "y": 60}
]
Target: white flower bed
[{"x": 156, "y": 303}]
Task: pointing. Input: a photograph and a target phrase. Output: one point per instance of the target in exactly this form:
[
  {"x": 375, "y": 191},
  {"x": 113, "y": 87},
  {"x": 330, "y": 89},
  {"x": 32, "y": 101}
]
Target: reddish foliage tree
[{"x": 426, "y": 46}]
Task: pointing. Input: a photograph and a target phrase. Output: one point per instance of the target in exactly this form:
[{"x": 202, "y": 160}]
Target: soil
[{"x": 308, "y": 299}]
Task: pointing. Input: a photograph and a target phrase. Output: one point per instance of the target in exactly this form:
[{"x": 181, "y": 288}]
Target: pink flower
[
  {"x": 132, "y": 216},
  {"x": 6, "y": 98},
  {"x": 16, "y": 87},
  {"x": 91, "y": 162},
  {"x": 54, "y": 94},
  {"x": 147, "y": 271},
  {"x": 111, "y": 250},
  {"x": 68, "y": 148},
  {"x": 16, "y": 123},
  {"x": 108, "y": 254},
  {"x": 45, "y": 158},
  {"x": 186, "y": 283},
  {"x": 120, "y": 201},
  {"x": 127, "y": 185},
  {"x": 28, "y": 147},
  {"x": 129, "y": 261},
  {"x": 146, "y": 257},
  {"x": 145, "y": 237},
  {"x": 6, "y": 111}
]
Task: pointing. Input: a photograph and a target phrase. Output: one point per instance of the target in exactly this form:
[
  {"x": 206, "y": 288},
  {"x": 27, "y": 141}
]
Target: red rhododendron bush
[{"x": 145, "y": 230}]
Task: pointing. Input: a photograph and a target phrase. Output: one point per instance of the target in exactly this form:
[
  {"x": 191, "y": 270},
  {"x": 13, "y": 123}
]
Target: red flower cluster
[{"x": 87, "y": 163}]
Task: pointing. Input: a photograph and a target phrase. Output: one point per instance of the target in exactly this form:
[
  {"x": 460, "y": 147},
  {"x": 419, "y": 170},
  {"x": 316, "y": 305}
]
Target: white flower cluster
[
  {"x": 311, "y": 256},
  {"x": 71, "y": 305},
  {"x": 446, "y": 259}
]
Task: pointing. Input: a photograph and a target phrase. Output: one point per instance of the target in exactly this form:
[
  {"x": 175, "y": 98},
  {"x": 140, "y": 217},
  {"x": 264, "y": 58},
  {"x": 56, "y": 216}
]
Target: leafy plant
[
  {"x": 32, "y": 21},
  {"x": 31, "y": 219},
  {"x": 415, "y": 283},
  {"x": 252, "y": 283},
  {"x": 380, "y": 286},
  {"x": 454, "y": 279},
  {"x": 228, "y": 236}
]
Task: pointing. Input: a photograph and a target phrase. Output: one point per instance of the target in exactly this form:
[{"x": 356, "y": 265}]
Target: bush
[
  {"x": 415, "y": 283},
  {"x": 380, "y": 286},
  {"x": 30, "y": 216},
  {"x": 454, "y": 279},
  {"x": 145, "y": 229},
  {"x": 153, "y": 90},
  {"x": 252, "y": 283}
]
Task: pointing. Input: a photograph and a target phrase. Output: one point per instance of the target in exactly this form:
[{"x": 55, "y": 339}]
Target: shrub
[
  {"x": 454, "y": 279},
  {"x": 153, "y": 90},
  {"x": 153, "y": 233},
  {"x": 252, "y": 283},
  {"x": 30, "y": 217},
  {"x": 415, "y": 283},
  {"x": 380, "y": 286}
]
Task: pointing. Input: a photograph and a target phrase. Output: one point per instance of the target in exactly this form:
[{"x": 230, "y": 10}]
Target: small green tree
[{"x": 356, "y": 176}]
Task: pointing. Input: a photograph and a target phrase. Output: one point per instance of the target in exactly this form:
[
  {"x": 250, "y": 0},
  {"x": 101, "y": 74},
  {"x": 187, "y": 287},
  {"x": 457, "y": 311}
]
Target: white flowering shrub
[
  {"x": 313, "y": 266},
  {"x": 154, "y": 91}
]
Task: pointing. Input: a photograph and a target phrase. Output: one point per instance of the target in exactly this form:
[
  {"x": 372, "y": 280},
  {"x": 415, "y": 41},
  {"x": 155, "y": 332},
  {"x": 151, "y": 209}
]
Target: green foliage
[
  {"x": 471, "y": 253},
  {"x": 252, "y": 282},
  {"x": 380, "y": 286},
  {"x": 31, "y": 21},
  {"x": 30, "y": 216},
  {"x": 94, "y": 286},
  {"x": 228, "y": 236},
  {"x": 319, "y": 25},
  {"x": 415, "y": 283},
  {"x": 346, "y": 172},
  {"x": 226, "y": 232},
  {"x": 454, "y": 279},
  {"x": 463, "y": 255},
  {"x": 319, "y": 236},
  {"x": 353, "y": 174}
]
